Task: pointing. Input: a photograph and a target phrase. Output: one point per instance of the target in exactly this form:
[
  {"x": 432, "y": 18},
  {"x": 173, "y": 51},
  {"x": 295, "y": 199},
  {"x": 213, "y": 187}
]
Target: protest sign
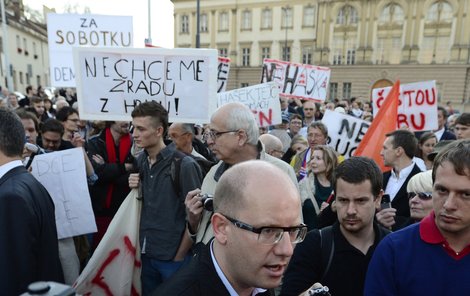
[
  {"x": 111, "y": 82},
  {"x": 222, "y": 74},
  {"x": 417, "y": 105},
  {"x": 345, "y": 132},
  {"x": 64, "y": 176},
  {"x": 114, "y": 268},
  {"x": 262, "y": 99},
  {"x": 66, "y": 31},
  {"x": 297, "y": 80}
]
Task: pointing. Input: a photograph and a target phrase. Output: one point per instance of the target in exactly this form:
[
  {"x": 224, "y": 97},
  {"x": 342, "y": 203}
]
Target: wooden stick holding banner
[{"x": 222, "y": 73}]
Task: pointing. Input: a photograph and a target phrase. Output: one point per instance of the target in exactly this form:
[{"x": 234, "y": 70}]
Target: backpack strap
[
  {"x": 175, "y": 169},
  {"x": 327, "y": 245}
]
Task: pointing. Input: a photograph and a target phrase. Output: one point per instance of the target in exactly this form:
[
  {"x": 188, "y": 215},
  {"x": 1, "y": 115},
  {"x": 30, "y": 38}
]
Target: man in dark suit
[
  {"x": 28, "y": 235},
  {"x": 397, "y": 152},
  {"x": 442, "y": 133},
  {"x": 256, "y": 223}
]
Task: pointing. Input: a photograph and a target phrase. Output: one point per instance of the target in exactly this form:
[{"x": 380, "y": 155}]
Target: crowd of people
[{"x": 288, "y": 211}]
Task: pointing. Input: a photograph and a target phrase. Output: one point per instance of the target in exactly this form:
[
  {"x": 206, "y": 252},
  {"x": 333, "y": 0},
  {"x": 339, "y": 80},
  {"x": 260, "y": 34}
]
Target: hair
[
  {"x": 188, "y": 128},
  {"x": 64, "y": 113},
  {"x": 463, "y": 119},
  {"x": 406, "y": 140},
  {"x": 298, "y": 139},
  {"x": 23, "y": 114},
  {"x": 35, "y": 100},
  {"x": 158, "y": 114},
  {"x": 12, "y": 135},
  {"x": 421, "y": 182},
  {"x": 458, "y": 154},
  {"x": 330, "y": 158},
  {"x": 28, "y": 88},
  {"x": 52, "y": 125},
  {"x": 296, "y": 116},
  {"x": 424, "y": 137},
  {"x": 229, "y": 192},
  {"x": 358, "y": 169},
  {"x": 240, "y": 117},
  {"x": 319, "y": 125},
  {"x": 444, "y": 111}
]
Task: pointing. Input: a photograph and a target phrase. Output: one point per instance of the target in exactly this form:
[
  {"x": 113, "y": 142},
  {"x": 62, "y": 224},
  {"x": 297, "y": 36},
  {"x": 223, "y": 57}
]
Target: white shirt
[
  {"x": 9, "y": 166},
  {"x": 226, "y": 283},
  {"x": 197, "y": 154},
  {"x": 396, "y": 182},
  {"x": 439, "y": 133}
]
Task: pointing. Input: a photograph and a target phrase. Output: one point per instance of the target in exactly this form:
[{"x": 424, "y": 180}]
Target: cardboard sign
[
  {"x": 297, "y": 80},
  {"x": 222, "y": 74},
  {"x": 417, "y": 105},
  {"x": 345, "y": 132},
  {"x": 262, "y": 99},
  {"x": 66, "y": 31},
  {"x": 111, "y": 82},
  {"x": 64, "y": 176}
]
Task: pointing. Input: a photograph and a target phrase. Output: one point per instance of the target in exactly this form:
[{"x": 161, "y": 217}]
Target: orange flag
[{"x": 384, "y": 122}]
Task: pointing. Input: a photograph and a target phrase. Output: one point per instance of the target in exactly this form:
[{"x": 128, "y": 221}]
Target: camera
[
  {"x": 49, "y": 288},
  {"x": 207, "y": 202}
]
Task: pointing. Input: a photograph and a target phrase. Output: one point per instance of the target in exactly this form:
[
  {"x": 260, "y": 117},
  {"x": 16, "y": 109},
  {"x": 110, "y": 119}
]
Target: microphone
[
  {"x": 34, "y": 148},
  {"x": 319, "y": 289}
]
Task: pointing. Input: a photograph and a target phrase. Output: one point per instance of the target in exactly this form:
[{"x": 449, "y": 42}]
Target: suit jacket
[
  {"x": 28, "y": 234},
  {"x": 198, "y": 278},
  {"x": 400, "y": 202},
  {"x": 448, "y": 135}
]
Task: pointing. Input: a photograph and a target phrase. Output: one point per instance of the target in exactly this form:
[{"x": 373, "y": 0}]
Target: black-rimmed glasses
[
  {"x": 269, "y": 235},
  {"x": 215, "y": 135},
  {"x": 421, "y": 195}
]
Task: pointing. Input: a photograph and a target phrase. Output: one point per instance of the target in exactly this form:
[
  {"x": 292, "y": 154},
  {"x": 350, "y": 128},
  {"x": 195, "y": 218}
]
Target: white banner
[
  {"x": 64, "y": 176},
  {"x": 66, "y": 31},
  {"x": 297, "y": 80},
  {"x": 345, "y": 132},
  {"x": 111, "y": 82},
  {"x": 262, "y": 99},
  {"x": 417, "y": 108},
  {"x": 222, "y": 74}
]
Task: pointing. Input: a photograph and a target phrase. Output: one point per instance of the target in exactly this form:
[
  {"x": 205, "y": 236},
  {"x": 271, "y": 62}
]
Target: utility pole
[
  {"x": 285, "y": 40},
  {"x": 5, "y": 47},
  {"x": 149, "y": 39},
  {"x": 198, "y": 36}
]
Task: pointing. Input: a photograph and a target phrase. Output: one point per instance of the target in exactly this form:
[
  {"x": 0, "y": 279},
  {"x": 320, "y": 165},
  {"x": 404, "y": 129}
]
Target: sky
[{"x": 161, "y": 18}]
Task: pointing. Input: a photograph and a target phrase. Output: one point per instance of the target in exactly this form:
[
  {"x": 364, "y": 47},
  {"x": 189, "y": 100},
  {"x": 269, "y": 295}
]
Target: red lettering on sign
[
  {"x": 132, "y": 250},
  {"x": 98, "y": 279},
  {"x": 263, "y": 117}
]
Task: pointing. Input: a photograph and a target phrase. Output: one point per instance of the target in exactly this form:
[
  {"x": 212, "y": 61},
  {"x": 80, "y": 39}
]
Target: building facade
[
  {"x": 27, "y": 49},
  {"x": 366, "y": 43}
]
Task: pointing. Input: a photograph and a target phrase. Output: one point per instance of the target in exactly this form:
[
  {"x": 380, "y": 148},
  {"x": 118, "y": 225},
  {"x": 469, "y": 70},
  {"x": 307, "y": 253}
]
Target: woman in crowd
[
  {"x": 70, "y": 120},
  {"x": 49, "y": 108},
  {"x": 297, "y": 145},
  {"x": 420, "y": 196},
  {"x": 426, "y": 144},
  {"x": 317, "y": 187}
]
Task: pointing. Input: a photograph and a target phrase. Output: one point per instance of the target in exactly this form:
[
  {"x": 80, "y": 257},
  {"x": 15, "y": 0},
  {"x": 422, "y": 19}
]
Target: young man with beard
[{"x": 341, "y": 261}]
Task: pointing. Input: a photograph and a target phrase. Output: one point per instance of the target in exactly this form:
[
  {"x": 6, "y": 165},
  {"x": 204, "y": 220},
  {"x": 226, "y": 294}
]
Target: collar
[
  {"x": 225, "y": 281},
  {"x": 430, "y": 234},
  {"x": 403, "y": 172},
  {"x": 164, "y": 153},
  {"x": 439, "y": 133},
  {"x": 9, "y": 166}
]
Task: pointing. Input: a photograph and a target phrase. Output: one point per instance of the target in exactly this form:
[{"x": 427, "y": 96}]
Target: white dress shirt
[{"x": 396, "y": 182}]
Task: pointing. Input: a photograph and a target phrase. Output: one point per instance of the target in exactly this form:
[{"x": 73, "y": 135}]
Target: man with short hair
[
  {"x": 462, "y": 126},
  {"x": 28, "y": 232},
  {"x": 309, "y": 110},
  {"x": 51, "y": 136},
  {"x": 272, "y": 145},
  {"x": 182, "y": 134},
  {"x": 398, "y": 152},
  {"x": 30, "y": 125},
  {"x": 431, "y": 257},
  {"x": 163, "y": 240},
  {"x": 256, "y": 223},
  {"x": 337, "y": 256},
  {"x": 442, "y": 133},
  {"x": 295, "y": 124}
]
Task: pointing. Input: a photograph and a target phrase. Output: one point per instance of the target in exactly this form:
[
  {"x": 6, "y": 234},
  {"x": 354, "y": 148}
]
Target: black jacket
[{"x": 28, "y": 249}]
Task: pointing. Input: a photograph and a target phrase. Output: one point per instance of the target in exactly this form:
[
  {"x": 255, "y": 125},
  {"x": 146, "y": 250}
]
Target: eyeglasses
[
  {"x": 268, "y": 235},
  {"x": 296, "y": 122},
  {"x": 309, "y": 109},
  {"x": 215, "y": 135},
  {"x": 421, "y": 195}
]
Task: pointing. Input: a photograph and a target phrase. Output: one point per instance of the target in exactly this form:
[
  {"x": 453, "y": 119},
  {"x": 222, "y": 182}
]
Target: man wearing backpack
[
  {"x": 164, "y": 244},
  {"x": 338, "y": 256}
]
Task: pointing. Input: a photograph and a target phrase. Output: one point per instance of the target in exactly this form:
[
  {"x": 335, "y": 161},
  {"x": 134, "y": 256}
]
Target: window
[
  {"x": 440, "y": 12},
  {"x": 246, "y": 56},
  {"x": 347, "y": 16},
  {"x": 223, "y": 52},
  {"x": 337, "y": 58},
  {"x": 21, "y": 77},
  {"x": 351, "y": 57},
  {"x": 223, "y": 21},
  {"x": 333, "y": 91},
  {"x": 266, "y": 19},
  {"x": 287, "y": 17},
  {"x": 244, "y": 84},
  {"x": 346, "y": 90},
  {"x": 38, "y": 80},
  {"x": 203, "y": 23},
  {"x": 185, "y": 24},
  {"x": 309, "y": 16},
  {"x": 28, "y": 79},
  {"x": 307, "y": 55},
  {"x": 286, "y": 53},
  {"x": 392, "y": 13},
  {"x": 265, "y": 53},
  {"x": 25, "y": 46},
  {"x": 246, "y": 20}
]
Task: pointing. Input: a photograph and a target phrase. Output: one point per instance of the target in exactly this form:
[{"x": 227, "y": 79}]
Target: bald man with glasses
[{"x": 256, "y": 224}]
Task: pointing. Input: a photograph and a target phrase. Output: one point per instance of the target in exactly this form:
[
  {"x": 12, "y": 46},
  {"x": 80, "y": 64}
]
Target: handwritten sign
[
  {"x": 66, "y": 31},
  {"x": 297, "y": 80},
  {"x": 262, "y": 99},
  {"x": 417, "y": 106},
  {"x": 64, "y": 176},
  {"x": 345, "y": 132},
  {"x": 111, "y": 82},
  {"x": 222, "y": 74}
]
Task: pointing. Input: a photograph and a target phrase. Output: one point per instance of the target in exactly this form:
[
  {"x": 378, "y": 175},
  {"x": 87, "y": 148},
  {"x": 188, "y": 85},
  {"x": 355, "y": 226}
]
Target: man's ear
[
  {"x": 378, "y": 199},
  {"x": 242, "y": 137},
  {"x": 220, "y": 226}
]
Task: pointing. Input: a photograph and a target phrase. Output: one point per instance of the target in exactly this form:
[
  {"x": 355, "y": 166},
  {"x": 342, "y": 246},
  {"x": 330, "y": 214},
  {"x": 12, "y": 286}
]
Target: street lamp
[
  {"x": 198, "y": 37},
  {"x": 285, "y": 40}
]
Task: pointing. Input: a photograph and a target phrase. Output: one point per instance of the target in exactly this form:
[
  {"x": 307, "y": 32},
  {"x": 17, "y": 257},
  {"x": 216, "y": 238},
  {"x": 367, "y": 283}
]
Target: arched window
[
  {"x": 347, "y": 15},
  {"x": 439, "y": 12},
  {"x": 392, "y": 13}
]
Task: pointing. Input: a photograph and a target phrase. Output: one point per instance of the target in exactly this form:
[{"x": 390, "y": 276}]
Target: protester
[
  {"x": 70, "y": 120},
  {"x": 297, "y": 145},
  {"x": 30, "y": 91},
  {"x": 12, "y": 101},
  {"x": 272, "y": 145},
  {"x": 281, "y": 131},
  {"x": 431, "y": 257},
  {"x": 442, "y": 133},
  {"x": 29, "y": 248},
  {"x": 30, "y": 124},
  {"x": 49, "y": 108},
  {"x": 295, "y": 124},
  {"x": 256, "y": 223},
  {"x": 420, "y": 196},
  {"x": 164, "y": 244},
  {"x": 338, "y": 256},
  {"x": 309, "y": 110},
  {"x": 426, "y": 144},
  {"x": 462, "y": 126}
]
